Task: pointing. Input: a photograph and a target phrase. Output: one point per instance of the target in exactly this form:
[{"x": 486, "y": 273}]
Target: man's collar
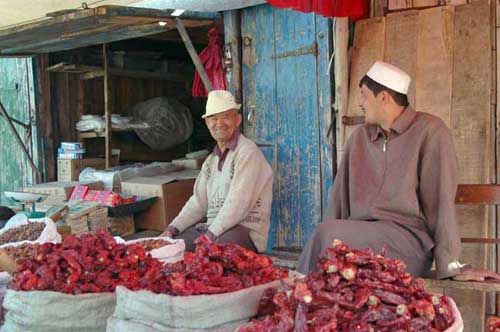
[
  {"x": 232, "y": 144},
  {"x": 399, "y": 126}
]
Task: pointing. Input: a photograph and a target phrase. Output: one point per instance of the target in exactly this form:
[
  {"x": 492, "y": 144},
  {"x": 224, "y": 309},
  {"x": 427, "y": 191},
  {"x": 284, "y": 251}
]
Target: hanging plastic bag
[{"x": 211, "y": 58}]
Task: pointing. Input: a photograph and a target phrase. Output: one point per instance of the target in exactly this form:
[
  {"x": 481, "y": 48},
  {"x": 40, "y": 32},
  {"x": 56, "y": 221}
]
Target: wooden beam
[
  {"x": 194, "y": 55},
  {"x": 46, "y": 157},
  {"x": 112, "y": 33},
  {"x": 90, "y": 72},
  {"x": 19, "y": 140},
  {"x": 478, "y": 194},
  {"x": 483, "y": 286},
  {"x": 232, "y": 22},
  {"x": 341, "y": 80},
  {"x": 107, "y": 106},
  {"x": 379, "y": 7}
]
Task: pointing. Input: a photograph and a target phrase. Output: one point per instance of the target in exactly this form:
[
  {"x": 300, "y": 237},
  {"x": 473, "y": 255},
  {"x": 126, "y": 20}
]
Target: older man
[
  {"x": 233, "y": 191},
  {"x": 396, "y": 184}
]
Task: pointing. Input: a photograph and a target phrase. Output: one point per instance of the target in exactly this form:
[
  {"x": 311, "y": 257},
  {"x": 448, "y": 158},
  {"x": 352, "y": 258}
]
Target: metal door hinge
[
  {"x": 352, "y": 120},
  {"x": 313, "y": 49}
]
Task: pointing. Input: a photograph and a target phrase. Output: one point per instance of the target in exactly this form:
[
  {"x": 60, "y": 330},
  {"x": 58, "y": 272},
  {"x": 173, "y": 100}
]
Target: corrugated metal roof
[{"x": 87, "y": 27}]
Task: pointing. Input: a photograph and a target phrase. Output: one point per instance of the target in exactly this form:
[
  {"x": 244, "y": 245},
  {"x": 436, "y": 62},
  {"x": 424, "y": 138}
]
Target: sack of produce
[
  {"x": 19, "y": 229},
  {"x": 216, "y": 286},
  {"x": 118, "y": 325},
  {"x": 45, "y": 311},
  {"x": 70, "y": 286},
  {"x": 165, "y": 249},
  {"x": 355, "y": 290},
  {"x": 4, "y": 284}
]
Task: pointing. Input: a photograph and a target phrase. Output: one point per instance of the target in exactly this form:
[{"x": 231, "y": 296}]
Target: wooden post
[
  {"x": 20, "y": 141},
  {"x": 193, "y": 54},
  {"x": 341, "y": 79},
  {"x": 232, "y": 24},
  {"x": 379, "y": 7},
  {"x": 107, "y": 106}
]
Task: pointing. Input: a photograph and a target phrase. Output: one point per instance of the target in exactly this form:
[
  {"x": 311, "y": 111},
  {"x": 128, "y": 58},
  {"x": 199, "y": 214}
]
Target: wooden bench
[
  {"x": 467, "y": 194},
  {"x": 473, "y": 194}
]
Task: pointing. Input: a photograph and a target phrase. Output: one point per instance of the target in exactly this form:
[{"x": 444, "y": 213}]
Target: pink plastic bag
[
  {"x": 211, "y": 58},
  {"x": 355, "y": 9}
]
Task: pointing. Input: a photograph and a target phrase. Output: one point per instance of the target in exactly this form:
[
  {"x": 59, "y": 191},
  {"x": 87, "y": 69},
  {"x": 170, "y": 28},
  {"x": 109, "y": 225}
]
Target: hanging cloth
[
  {"x": 211, "y": 58},
  {"x": 354, "y": 9}
]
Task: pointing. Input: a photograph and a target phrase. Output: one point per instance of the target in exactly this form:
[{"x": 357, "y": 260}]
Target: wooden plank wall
[
  {"x": 17, "y": 96},
  {"x": 369, "y": 46},
  {"x": 65, "y": 98},
  {"x": 446, "y": 49},
  {"x": 470, "y": 125},
  {"x": 46, "y": 123}
]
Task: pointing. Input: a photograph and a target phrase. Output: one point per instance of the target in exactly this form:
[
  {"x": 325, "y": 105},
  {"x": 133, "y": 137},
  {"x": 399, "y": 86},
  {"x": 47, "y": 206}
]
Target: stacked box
[
  {"x": 98, "y": 219},
  {"x": 172, "y": 195},
  {"x": 70, "y": 169},
  {"x": 70, "y": 150},
  {"x": 189, "y": 163},
  {"x": 59, "y": 192},
  {"x": 78, "y": 225},
  {"x": 109, "y": 198}
]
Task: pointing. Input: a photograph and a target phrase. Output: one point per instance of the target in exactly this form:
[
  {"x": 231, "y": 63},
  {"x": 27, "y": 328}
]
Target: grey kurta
[{"x": 396, "y": 190}]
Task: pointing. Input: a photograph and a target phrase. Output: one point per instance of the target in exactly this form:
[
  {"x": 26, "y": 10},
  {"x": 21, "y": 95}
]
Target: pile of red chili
[
  {"x": 354, "y": 290},
  {"x": 96, "y": 263},
  {"x": 218, "y": 268}
]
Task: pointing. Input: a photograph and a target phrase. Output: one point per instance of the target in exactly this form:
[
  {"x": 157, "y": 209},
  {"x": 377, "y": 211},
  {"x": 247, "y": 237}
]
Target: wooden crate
[{"x": 122, "y": 226}]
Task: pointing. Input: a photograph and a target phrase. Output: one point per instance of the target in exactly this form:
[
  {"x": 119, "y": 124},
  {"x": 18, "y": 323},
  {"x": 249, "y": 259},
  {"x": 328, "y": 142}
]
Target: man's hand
[{"x": 167, "y": 233}]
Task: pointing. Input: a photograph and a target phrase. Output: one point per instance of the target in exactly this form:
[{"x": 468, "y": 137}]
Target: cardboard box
[
  {"x": 172, "y": 195},
  {"x": 71, "y": 145},
  {"x": 78, "y": 225},
  {"x": 189, "y": 163},
  {"x": 60, "y": 190},
  {"x": 70, "y": 169},
  {"x": 98, "y": 219}
]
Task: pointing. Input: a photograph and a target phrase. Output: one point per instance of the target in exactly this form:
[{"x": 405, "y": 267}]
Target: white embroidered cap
[
  {"x": 390, "y": 76},
  {"x": 220, "y": 101}
]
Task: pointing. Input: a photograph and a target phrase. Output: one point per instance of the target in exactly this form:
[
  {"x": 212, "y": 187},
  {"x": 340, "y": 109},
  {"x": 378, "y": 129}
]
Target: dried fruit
[{"x": 28, "y": 232}]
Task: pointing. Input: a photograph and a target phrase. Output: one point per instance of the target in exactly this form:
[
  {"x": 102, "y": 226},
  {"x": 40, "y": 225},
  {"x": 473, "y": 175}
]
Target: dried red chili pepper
[{"x": 370, "y": 293}]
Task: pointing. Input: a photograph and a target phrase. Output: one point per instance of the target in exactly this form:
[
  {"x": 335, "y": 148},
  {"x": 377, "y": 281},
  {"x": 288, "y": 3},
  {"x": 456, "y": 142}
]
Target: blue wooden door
[
  {"x": 287, "y": 108},
  {"x": 17, "y": 94}
]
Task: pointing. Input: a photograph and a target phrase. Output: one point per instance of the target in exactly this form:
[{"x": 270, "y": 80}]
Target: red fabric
[
  {"x": 355, "y": 9},
  {"x": 211, "y": 58}
]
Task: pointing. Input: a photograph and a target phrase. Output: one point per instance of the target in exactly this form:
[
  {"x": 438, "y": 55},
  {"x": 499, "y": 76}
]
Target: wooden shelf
[
  {"x": 91, "y": 72},
  {"x": 100, "y": 133}
]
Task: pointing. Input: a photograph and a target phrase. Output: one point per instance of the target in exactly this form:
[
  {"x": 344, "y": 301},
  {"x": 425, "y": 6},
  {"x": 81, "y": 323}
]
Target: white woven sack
[{"x": 44, "y": 311}]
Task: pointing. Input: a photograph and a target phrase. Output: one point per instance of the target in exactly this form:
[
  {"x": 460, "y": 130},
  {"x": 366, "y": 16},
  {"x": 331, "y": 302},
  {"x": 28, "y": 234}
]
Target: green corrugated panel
[{"x": 17, "y": 96}]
